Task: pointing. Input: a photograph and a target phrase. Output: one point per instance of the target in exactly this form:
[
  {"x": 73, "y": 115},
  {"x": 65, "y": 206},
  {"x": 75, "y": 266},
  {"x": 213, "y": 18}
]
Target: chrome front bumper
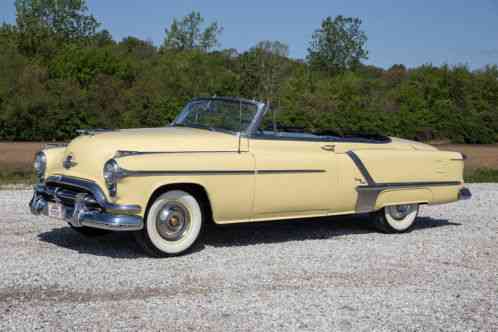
[{"x": 85, "y": 207}]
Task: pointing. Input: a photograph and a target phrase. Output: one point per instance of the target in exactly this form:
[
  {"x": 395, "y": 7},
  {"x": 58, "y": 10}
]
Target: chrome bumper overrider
[{"x": 87, "y": 207}]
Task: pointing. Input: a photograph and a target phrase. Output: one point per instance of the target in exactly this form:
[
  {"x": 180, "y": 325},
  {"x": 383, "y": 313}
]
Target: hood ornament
[{"x": 69, "y": 162}]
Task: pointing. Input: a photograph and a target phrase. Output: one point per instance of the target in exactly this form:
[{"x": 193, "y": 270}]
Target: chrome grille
[{"x": 67, "y": 194}]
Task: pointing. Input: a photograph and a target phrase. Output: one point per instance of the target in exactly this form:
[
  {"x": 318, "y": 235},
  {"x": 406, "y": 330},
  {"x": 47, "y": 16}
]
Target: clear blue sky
[{"x": 408, "y": 32}]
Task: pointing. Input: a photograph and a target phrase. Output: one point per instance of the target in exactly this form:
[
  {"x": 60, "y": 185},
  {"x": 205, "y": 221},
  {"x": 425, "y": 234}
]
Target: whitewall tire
[
  {"x": 396, "y": 218},
  {"x": 173, "y": 224}
]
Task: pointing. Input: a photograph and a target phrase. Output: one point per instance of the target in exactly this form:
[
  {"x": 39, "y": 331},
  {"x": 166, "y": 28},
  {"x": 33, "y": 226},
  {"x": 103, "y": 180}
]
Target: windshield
[{"x": 217, "y": 114}]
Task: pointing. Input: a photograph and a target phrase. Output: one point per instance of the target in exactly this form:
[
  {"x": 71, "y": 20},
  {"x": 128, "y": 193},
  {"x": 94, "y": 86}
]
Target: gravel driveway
[{"x": 334, "y": 274}]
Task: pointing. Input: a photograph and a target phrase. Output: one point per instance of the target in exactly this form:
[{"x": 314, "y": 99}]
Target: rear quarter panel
[
  {"x": 398, "y": 166},
  {"x": 387, "y": 166}
]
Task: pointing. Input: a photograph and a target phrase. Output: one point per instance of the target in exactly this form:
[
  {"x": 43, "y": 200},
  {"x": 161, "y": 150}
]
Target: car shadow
[
  {"x": 122, "y": 244},
  {"x": 114, "y": 244},
  {"x": 302, "y": 229}
]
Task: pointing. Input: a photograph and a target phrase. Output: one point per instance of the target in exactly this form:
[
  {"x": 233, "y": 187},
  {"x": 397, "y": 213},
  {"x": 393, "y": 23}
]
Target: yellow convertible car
[{"x": 227, "y": 160}]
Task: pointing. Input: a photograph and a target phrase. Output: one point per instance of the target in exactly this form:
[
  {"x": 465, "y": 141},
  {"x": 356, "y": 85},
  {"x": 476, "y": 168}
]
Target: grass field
[
  {"x": 482, "y": 161},
  {"x": 16, "y": 160}
]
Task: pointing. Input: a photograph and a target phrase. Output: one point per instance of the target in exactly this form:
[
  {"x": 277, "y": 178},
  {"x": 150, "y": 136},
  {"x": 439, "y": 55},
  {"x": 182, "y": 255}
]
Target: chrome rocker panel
[{"x": 88, "y": 211}]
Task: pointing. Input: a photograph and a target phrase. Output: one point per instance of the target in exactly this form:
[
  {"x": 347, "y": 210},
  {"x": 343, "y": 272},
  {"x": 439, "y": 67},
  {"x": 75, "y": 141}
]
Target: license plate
[{"x": 56, "y": 210}]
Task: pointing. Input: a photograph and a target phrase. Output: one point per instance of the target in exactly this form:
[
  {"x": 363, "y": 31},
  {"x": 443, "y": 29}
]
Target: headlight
[
  {"x": 111, "y": 175},
  {"x": 40, "y": 164}
]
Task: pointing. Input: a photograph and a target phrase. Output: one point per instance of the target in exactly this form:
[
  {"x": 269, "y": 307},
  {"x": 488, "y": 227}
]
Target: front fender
[{"x": 227, "y": 177}]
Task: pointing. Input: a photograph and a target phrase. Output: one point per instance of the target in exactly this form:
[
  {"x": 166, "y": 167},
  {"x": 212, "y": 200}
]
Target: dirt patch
[
  {"x": 59, "y": 295},
  {"x": 18, "y": 155},
  {"x": 479, "y": 156}
]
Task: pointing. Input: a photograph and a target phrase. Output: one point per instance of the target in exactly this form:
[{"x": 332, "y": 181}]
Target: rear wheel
[
  {"x": 395, "y": 218},
  {"x": 172, "y": 225}
]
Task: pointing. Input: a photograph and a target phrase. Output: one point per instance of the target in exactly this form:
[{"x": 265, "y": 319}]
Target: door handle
[{"x": 329, "y": 147}]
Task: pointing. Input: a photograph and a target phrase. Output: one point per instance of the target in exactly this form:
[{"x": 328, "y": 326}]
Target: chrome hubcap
[
  {"x": 399, "y": 212},
  {"x": 173, "y": 221}
]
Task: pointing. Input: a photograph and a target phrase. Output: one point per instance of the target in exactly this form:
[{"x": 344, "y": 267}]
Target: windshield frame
[{"x": 252, "y": 127}]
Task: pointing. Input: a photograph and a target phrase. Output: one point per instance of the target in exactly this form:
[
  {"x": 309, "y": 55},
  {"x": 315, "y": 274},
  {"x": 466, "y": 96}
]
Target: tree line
[{"x": 60, "y": 72}]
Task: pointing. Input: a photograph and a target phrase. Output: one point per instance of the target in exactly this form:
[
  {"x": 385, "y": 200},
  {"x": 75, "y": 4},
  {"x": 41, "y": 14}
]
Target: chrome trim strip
[
  {"x": 95, "y": 190},
  {"x": 128, "y": 173},
  {"x": 390, "y": 185},
  {"x": 361, "y": 167},
  {"x": 290, "y": 171},
  {"x": 127, "y": 153},
  {"x": 123, "y": 173}
]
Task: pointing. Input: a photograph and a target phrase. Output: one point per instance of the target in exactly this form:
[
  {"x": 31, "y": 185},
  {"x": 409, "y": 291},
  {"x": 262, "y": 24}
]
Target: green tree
[
  {"x": 264, "y": 68},
  {"x": 56, "y": 21},
  {"x": 338, "y": 45},
  {"x": 187, "y": 34},
  {"x": 137, "y": 47}
]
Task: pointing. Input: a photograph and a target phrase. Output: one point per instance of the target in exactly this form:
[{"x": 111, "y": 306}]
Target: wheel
[
  {"x": 172, "y": 224},
  {"x": 90, "y": 231},
  {"x": 396, "y": 218}
]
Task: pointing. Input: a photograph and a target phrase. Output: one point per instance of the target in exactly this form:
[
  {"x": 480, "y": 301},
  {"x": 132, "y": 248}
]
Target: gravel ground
[{"x": 334, "y": 274}]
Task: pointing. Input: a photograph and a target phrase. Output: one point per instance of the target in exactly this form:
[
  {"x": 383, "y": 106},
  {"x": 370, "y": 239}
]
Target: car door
[{"x": 295, "y": 176}]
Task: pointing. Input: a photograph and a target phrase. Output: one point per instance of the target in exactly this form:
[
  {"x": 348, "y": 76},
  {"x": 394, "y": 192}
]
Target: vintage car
[{"x": 226, "y": 160}]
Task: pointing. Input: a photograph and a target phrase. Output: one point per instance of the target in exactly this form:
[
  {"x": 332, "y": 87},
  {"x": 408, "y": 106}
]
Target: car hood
[{"x": 90, "y": 152}]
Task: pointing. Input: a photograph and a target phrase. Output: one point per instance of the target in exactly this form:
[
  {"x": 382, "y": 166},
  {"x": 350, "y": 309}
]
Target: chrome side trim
[
  {"x": 123, "y": 173},
  {"x": 127, "y": 153},
  {"x": 361, "y": 167},
  {"x": 390, "y": 185},
  {"x": 290, "y": 171},
  {"x": 128, "y": 173},
  {"x": 367, "y": 195},
  {"x": 95, "y": 190}
]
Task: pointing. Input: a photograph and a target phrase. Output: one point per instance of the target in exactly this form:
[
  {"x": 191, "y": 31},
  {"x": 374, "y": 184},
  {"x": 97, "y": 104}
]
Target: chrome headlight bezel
[
  {"x": 111, "y": 174},
  {"x": 40, "y": 164}
]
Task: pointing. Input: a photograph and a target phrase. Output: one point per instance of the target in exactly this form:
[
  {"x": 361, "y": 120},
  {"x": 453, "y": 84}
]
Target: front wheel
[
  {"x": 172, "y": 225},
  {"x": 395, "y": 218}
]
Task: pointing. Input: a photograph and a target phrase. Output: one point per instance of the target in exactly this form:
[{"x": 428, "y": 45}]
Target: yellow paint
[{"x": 256, "y": 196}]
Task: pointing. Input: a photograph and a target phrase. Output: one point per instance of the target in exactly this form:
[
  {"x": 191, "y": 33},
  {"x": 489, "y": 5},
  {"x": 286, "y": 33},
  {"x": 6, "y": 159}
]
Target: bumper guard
[{"x": 86, "y": 210}]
